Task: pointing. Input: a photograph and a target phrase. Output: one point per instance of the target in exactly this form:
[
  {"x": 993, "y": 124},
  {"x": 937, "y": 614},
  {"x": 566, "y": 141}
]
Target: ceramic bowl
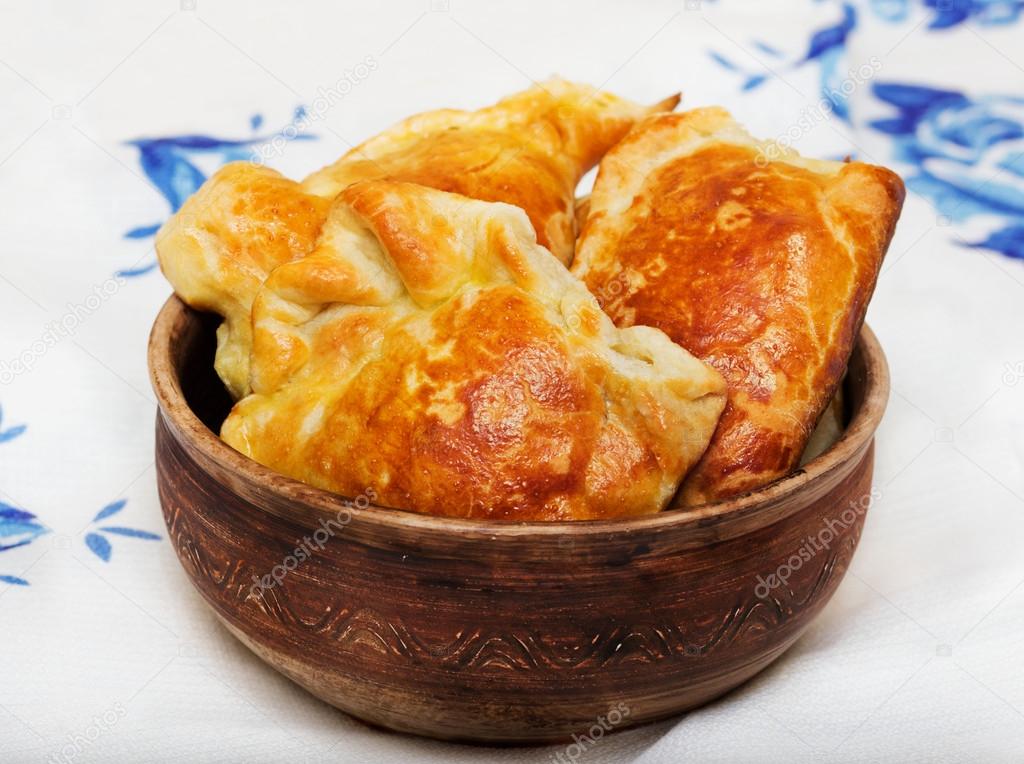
[{"x": 500, "y": 632}]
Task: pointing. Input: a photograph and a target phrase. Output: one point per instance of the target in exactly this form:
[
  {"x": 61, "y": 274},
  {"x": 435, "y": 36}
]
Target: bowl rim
[{"x": 182, "y": 420}]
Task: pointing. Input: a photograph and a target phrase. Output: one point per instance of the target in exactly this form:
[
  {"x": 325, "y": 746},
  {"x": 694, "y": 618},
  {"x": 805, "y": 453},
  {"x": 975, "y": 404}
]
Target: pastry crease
[
  {"x": 431, "y": 350},
  {"x": 754, "y": 259}
]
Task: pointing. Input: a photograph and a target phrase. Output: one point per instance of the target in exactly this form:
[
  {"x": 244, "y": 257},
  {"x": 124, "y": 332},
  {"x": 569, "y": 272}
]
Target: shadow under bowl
[{"x": 497, "y": 632}]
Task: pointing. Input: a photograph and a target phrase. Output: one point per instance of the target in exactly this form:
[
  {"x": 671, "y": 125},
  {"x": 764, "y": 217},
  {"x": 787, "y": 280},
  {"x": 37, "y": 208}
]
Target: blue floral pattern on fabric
[
  {"x": 17, "y": 527},
  {"x": 9, "y": 433},
  {"x": 169, "y": 164},
  {"x": 96, "y": 540},
  {"x": 825, "y": 47},
  {"x": 967, "y": 155},
  {"x": 950, "y": 13}
]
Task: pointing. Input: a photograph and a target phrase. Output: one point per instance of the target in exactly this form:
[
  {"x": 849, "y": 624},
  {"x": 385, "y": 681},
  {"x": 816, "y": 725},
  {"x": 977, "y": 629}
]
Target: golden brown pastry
[
  {"x": 755, "y": 260},
  {"x": 218, "y": 249},
  {"x": 581, "y": 211},
  {"x": 529, "y": 149},
  {"x": 429, "y": 349}
]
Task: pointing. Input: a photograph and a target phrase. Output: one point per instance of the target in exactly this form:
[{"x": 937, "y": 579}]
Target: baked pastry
[
  {"x": 529, "y": 149},
  {"x": 430, "y": 350},
  {"x": 754, "y": 259},
  {"x": 218, "y": 249}
]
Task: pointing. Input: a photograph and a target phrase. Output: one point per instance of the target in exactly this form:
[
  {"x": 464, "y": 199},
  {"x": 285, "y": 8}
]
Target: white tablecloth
[{"x": 107, "y": 654}]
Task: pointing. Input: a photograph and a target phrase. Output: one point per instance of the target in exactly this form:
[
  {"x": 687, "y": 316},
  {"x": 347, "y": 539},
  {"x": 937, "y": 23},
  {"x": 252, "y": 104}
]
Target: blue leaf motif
[
  {"x": 722, "y": 61},
  {"x": 111, "y": 509},
  {"x": 833, "y": 36},
  {"x": 18, "y": 527},
  {"x": 914, "y": 97},
  {"x": 99, "y": 546},
  {"x": 949, "y": 13},
  {"x": 141, "y": 270},
  {"x": 897, "y": 126},
  {"x": 7, "y": 512},
  {"x": 754, "y": 81},
  {"x": 142, "y": 232},
  {"x": 132, "y": 532},
  {"x": 766, "y": 48},
  {"x": 1008, "y": 240},
  {"x": 12, "y": 433},
  {"x": 174, "y": 175},
  {"x": 15, "y": 580}
]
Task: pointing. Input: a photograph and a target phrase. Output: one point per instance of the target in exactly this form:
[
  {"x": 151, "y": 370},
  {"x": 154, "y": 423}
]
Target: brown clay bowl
[{"x": 501, "y": 632}]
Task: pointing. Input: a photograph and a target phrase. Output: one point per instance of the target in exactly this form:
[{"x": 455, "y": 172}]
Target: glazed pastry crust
[
  {"x": 429, "y": 349},
  {"x": 754, "y": 259},
  {"x": 529, "y": 149},
  {"x": 221, "y": 245}
]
